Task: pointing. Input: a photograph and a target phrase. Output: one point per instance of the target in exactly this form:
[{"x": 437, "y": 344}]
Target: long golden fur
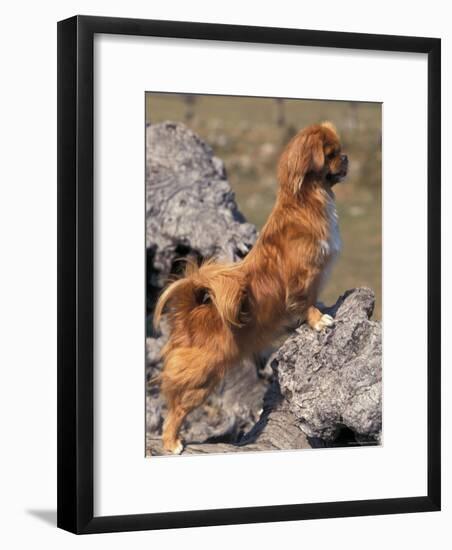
[{"x": 221, "y": 313}]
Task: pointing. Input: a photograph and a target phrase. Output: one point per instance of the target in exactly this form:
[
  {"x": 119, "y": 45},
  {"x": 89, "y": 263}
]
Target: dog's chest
[{"x": 330, "y": 247}]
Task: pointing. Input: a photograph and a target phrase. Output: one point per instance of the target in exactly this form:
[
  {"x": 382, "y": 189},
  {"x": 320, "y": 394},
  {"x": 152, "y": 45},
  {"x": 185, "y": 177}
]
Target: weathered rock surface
[
  {"x": 190, "y": 205},
  {"x": 333, "y": 379},
  {"x": 277, "y": 429}
]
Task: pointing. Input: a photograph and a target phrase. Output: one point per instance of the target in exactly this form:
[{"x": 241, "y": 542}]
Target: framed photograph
[{"x": 248, "y": 274}]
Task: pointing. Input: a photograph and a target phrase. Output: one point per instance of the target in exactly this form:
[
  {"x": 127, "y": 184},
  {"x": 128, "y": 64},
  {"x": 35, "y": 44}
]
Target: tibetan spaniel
[{"x": 221, "y": 313}]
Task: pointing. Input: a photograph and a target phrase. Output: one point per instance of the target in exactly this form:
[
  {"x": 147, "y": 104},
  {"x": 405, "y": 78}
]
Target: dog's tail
[
  {"x": 176, "y": 289},
  {"x": 222, "y": 288}
]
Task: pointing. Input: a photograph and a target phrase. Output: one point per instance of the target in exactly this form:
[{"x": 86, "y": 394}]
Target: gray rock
[
  {"x": 191, "y": 209},
  {"x": 277, "y": 429},
  {"x": 333, "y": 379}
]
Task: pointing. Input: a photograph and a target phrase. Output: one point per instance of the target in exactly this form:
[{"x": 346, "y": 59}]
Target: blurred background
[{"x": 249, "y": 133}]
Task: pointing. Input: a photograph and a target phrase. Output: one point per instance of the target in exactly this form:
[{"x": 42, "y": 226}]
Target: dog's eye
[{"x": 331, "y": 155}]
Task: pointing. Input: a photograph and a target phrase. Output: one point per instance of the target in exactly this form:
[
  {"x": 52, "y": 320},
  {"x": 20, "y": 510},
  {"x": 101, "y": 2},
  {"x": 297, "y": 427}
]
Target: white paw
[
  {"x": 178, "y": 448},
  {"x": 324, "y": 321}
]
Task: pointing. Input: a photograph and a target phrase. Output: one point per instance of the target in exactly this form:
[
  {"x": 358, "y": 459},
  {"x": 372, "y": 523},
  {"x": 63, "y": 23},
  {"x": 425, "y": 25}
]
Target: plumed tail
[
  {"x": 222, "y": 288},
  {"x": 168, "y": 295}
]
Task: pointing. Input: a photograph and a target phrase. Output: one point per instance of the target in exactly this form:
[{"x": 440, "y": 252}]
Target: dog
[{"x": 220, "y": 314}]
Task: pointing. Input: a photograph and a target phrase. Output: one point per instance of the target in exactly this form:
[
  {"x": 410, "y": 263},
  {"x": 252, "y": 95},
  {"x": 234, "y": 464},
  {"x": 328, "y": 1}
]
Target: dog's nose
[{"x": 344, "y": 158}]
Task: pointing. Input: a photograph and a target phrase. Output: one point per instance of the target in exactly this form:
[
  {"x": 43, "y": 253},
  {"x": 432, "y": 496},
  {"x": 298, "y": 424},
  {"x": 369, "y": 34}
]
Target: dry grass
[{"x": 248, "y": 136}]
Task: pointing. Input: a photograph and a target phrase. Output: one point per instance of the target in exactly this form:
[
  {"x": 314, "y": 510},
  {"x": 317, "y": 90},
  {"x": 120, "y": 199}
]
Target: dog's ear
[{"x": 304, "y": 154}]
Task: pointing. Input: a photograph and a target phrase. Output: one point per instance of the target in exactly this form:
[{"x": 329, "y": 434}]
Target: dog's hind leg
[
  {"x": 178, "y": 409},
  {"x": 171, "y": 427},
  {"x": 188, "y": 377}
]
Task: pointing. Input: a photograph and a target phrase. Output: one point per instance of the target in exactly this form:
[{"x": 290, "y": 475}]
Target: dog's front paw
[{"x": 324, "y": 321}]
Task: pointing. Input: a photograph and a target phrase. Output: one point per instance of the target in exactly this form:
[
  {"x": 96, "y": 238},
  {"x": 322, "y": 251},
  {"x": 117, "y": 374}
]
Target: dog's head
[{"x": 315, "y": 155}]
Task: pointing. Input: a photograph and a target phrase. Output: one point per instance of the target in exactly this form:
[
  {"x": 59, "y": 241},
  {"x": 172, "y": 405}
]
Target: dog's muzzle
[{"x": 338, "y": 176}]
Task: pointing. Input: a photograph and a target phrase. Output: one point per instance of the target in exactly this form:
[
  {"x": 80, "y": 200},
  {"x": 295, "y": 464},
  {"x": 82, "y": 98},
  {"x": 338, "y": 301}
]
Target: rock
[
  {"x": 190, "y": 207},
  {"x": 333, "y": 379},
  {"x": 276, "y": 429}
]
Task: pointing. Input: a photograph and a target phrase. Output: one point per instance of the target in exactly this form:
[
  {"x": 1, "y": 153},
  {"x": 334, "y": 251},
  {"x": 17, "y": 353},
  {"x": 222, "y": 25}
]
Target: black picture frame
[{"x": 75, "y": 273}]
